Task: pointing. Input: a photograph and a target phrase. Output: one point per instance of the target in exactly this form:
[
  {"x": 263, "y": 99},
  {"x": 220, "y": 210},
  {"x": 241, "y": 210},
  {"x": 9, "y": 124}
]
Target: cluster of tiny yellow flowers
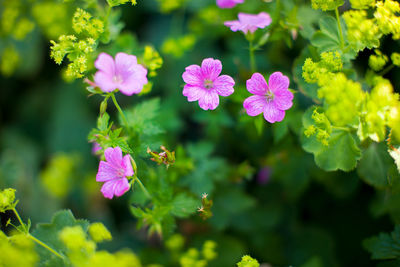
[
  {"x": 178, "y": 46},
  {"x": 395, "y": 57},
  {"x": 113, "y": 3},
  {"x": 330, "y": 62},
  {"x": 375, "y": 112},
  {"x": 13, "y": 22},
  {"x": 7, "y": 199},
  {"x": 362, "y": 4},
  {"x": 81, "y": 251},
  {"x": 326, "y": 4},
  {"x": 76, "y": 50},
  {"x": 9, "y": 60},
  {"x": 321, "y": 128},
  {"x": 152, "y": 60},
  {"x": 248, "y": 261},
  {"x": 377, "y": 61},
  {"x": 13, "y": 247},
  {"x": 56, "y": 21},
  {"x": 362, "y": 32},
  {"x": 193, "y": 258},
  {"x": 387, "y": 19}
]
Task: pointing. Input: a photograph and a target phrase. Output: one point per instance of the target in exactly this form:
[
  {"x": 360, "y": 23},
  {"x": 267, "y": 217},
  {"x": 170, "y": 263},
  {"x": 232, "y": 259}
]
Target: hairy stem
[
  {"x": 253, "y": 66},
  {"x": 143, "y": 188},
  {"x": 386, "y": 70},
  {"x": 119, "y": 109}
]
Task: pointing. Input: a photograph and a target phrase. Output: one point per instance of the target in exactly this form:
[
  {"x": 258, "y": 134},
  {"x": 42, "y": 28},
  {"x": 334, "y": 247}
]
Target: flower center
[
  {"x": 121, "y": 173},
  {"x": 269, "y": 96},
  {"x": 117, "y": 78},
  {"x": 208, "y": 84}
]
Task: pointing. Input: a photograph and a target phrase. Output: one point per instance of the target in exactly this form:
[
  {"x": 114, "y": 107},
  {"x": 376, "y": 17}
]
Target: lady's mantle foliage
[
  {"x": 272, "y": 99},
  {"x": 204, "y": 84},
  {"x": 228, "y": 3},
  {"x": 114, "y": 172},
  {"x": 249, "y": 22},
  {"x": 123, "y": 73}
]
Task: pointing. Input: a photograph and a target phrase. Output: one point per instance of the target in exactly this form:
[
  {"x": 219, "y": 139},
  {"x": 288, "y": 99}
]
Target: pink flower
[
  {"x": 124, "y": 74},
  {"x": 228, "y": 3},
  {"x": 114, "y": 172},
  {"x": 95, "y": 148},
  {"x": 204, "y": 84},
  {"x": 249, "y": 22},
  {"x": 272, "y": 98}
]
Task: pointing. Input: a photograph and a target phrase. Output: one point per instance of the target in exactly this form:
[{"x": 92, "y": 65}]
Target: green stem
[
  {"x": 34, "y": 238},
  {"x": 340, "y": 28},
  {"x": 386, "y": 70},
  {"x": 143, "y": 188},
  {"x": 20, "y": 220},
  {"x": 252, "y": 58},
  {"x": 119, "y": 109},
  {"x": 45, "y": 246}
]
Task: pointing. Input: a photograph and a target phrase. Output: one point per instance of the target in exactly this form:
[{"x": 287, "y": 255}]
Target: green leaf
[
  {"x": 384, "y": 246},
  {"x": 48, "y": 233},
  {"x": 342, "y": 153},
  {"x": 143, "y": 117},
  {"x": 374, "y": 165},
  {"x": 102, "y": 122},
  {"x": 327, "y": 38},
  {"x": 184, "y": 205}
]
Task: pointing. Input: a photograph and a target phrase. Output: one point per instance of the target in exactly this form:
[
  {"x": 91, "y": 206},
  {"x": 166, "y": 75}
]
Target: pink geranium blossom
[
  {"x": 124, "y": 74},
  {"x": 204, "y": 84},
  {"x": 249, "y": 22},
  {"x": 272, "y": 98},
  {"x": 228, "y": 3},
  {"x": 114, "y": 172}
]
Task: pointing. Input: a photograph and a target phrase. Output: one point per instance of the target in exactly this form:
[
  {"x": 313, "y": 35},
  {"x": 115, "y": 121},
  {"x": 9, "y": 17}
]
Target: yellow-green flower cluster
[
  {"x": 322, "y": 128},
  {"x": 330, "y": 62},
  {"x": 83, "y": 22},
  {"x": 152, "y": 60},
  {"x": 12, "y": 23},
  {"x": 248, "y": 261},
  {"x": 167, "y": 6},
  {"x": 362, "y": 32},
  {"x": 394, "y": 123},
  {"x": 82, "y": 252},
  {"x": 362, "y": 4},
  {"x": 56, "y": 177},
  {"x": 9, "y": 60},
  {"x": 395, "y": 57},
  {"x": 377, "y": 61},
  {"x": 326, "y": 4},
  {"x": 386, "y": 18},
  {"x": 342, "y": 98},
  {"x": 178, "y": 47},
  {"x": 55, "y": 22},
  {"x": 7, "y": 199},
  {"x": 17, "y": 250},
  {"x": 99, "y": 233},
  {"x": 193, "y": 258},
  {"x": 376, "y": 111},
  {"x": 78, "y": 51}
]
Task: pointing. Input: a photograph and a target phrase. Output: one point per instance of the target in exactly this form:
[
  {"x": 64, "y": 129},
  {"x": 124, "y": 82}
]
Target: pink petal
[
  {"x": 211, "y": 68},
  {"x": 228, "y": 3},
  {"x": 257, "y": 84},
  {"x": 283, "y": 99},
  {"x": 133, "y": 84},
  {"x": 114, "y": 156},
  {"x": 209, "y": 100},
  {"x": 224, "y": 85},
  {"x": 106, "y": 172},
  {"x": 260, "y": 20},
  {"x": 233, "y": 24},
  {"x": 105, "y": 63},
  {"x": 193, "y": 75},
  {"x": 278, "y": 82},
  {"x": 127, "y": 165},
  {"x": 105, "y": 82},
  {"x": 272, "y": 113},
  {"x": 108, "y": 189},
  {"x": 255, "y": 105},
  {"x": 193, "y": 93},
  {"x": 121, "y": 186}
]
